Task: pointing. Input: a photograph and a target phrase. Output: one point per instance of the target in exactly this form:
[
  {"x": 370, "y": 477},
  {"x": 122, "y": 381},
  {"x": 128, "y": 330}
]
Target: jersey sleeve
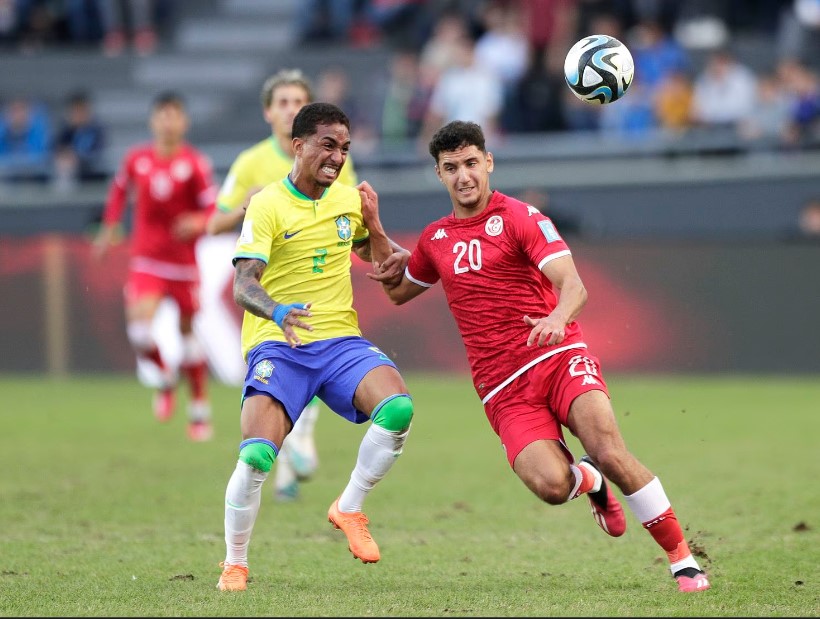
[
  {"x": 538, "y": 236},
  {"x": 258, "y": 231},
  {"x": 235, "y": 187},
  {"x": 117, "y": 197},
  {"x": 420, "y": 268}
]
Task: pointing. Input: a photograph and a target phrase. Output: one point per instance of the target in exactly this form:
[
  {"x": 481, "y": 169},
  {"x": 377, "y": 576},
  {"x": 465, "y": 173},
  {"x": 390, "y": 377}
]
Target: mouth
[{"x": 328, "y": 170}]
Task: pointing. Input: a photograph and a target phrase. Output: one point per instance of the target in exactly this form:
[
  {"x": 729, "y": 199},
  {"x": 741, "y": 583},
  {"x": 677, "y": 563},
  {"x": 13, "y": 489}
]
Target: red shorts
[
  {"x": 184, "y": 292},
  {"x": 536, "y": 404}
]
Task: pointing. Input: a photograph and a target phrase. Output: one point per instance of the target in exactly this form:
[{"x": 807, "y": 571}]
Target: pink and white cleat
[
  {"x": 164, "y": 403},
  {"x": 606, "y": 509},
  {"x": 691, "y": 580}
]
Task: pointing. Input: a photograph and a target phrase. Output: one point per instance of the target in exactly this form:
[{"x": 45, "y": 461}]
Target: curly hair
[{"x": 457, "y": 134}]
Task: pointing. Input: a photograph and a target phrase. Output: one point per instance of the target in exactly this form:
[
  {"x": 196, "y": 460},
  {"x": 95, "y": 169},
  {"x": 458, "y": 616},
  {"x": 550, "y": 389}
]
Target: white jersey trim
[
  {"x": 523, "y": 369},
  {"x": 416, "y": 281},
  {"x": 552, "y": 257}
]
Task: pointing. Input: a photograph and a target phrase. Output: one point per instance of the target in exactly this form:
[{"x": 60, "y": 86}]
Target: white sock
[
  {"x": 377, "y": 453},
  {"x": 307, "y": 420},
  {"x": 242, "y": 498}
]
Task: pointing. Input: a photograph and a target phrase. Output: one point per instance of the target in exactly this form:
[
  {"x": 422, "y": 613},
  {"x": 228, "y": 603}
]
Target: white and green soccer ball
[{"x": 599, "y": 69}]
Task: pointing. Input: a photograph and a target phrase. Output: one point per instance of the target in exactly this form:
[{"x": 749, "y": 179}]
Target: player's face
[
  {"x": 323, "y": 154},
  {"x": 466, "y": 174},
  {"x": 169, "y": 123},
  {"x": 286, "y": 101}
]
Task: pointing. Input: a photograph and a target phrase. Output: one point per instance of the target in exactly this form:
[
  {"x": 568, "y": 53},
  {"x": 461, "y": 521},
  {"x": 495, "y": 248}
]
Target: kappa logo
[
  {"x": 590, "y": 380},
  {"x": 440, "y": 234}
]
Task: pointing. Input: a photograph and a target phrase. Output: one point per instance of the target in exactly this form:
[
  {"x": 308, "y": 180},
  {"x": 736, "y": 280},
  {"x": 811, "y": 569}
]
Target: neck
[
  {"x": 166, "y": 149},
  {"x": 463, "y": 212},
  {"x": 308, "y": 187}
]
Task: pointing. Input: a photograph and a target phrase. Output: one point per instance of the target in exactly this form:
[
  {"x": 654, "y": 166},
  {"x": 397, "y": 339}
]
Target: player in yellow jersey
[
  {"x": 301, "y": 338},
  {"x": 283, "y": 95}
]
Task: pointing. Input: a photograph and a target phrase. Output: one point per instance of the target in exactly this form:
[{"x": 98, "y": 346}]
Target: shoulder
[{"x": 344, "y": 192}]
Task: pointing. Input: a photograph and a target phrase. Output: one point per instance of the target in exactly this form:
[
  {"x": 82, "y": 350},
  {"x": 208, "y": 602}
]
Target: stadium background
[{"x": 688, "y": 242}]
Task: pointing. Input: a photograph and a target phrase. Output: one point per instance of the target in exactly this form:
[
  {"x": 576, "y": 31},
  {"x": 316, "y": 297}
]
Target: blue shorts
[{"x": 331, "y": 369}]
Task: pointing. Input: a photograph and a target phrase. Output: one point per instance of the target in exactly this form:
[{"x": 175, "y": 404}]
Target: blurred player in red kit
[
  {"x": 173, "y": 193},
  {"x": 530, "y": 364}
]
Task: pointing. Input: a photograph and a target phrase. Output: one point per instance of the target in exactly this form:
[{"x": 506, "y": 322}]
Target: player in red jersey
[
  {"x": 530, "y": 364},
  {"x": 173, "y": 192}
]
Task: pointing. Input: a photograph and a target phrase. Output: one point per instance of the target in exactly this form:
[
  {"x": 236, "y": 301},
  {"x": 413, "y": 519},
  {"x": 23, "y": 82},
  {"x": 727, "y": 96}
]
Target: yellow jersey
[
  {"x": 306, "y": 245},
  {"x": 263, "y": 163}
]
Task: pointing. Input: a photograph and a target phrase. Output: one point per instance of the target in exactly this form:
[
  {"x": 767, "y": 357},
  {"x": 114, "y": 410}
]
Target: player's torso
[
  {"x": 163, "y": 187},
  {"x": 309, "y": 256}
]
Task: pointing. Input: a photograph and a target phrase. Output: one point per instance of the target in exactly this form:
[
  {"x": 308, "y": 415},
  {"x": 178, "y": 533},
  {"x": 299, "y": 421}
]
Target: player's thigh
[
  {"x": 143, "y": 294},
  {"x": 264, "y": 417},
  {"x": 186, "y": 295},
  {"x": 379, "y": 383},
  {"x": 592, "y": 419}
]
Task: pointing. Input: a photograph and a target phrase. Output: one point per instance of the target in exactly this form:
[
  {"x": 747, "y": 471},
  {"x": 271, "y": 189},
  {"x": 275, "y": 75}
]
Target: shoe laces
[
  {"x": 233, "y": 573},
  {"x": 359, "y": 521}
]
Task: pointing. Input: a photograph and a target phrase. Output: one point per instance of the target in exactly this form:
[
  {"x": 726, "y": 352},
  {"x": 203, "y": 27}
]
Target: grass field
[{"x": 105, "y": 512}]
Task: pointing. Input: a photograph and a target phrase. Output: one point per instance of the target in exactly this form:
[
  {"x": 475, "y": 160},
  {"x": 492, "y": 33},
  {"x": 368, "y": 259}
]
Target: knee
[
  {"x": 550, "y": 490},
  {"x": 394, "y": 414},
  {"x": 611, "y": 459},
  {"x": 140, "y": 336}
]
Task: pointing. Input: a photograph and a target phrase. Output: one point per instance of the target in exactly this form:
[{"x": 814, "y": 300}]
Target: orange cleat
[
  {"x": 354, "y": 526},
  {"x": 233, "y": 578}
]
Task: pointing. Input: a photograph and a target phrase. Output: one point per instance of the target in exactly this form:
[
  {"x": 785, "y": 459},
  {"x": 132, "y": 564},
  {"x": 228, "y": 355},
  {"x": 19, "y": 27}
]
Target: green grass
[{"x": 105, "y": 512}]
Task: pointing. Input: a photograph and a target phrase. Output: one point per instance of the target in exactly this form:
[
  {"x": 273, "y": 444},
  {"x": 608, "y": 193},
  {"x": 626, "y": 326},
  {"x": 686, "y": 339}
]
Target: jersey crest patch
[
  {"x": 263, "y": 371},
  {"x": 549, "y": 231},
  {"x": 343, "y": 227},
  {"x": 494, "y": 226}
]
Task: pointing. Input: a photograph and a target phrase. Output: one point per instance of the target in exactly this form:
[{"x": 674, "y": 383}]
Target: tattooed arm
[{"x": 252, "y": 297}]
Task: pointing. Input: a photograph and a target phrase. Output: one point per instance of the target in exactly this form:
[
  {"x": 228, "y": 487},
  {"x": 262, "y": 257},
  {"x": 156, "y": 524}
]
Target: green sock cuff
[
  {"x": 258, "y": 453},
  {"x": 394, "y": 413}
]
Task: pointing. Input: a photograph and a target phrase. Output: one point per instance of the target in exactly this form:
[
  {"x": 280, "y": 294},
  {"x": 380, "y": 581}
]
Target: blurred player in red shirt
[
  {"x": 513, "y": 289},
  {"x": 173, "y": 190}
]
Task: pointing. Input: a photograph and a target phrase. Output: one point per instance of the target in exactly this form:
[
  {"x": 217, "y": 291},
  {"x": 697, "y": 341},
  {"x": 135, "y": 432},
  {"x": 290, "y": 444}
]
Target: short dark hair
[
  {"x": 314, "y": 114},
  {"x": 455, "y": 135},
  {"x": 168, "y": 97}
]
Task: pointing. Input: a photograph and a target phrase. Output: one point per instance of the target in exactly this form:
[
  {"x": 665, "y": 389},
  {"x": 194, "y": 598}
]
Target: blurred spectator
[
  {"x": 440, "y": 51},
  {"x": 503, "y": 47},
  {"x": 405, "y": 98},
  {"x": 322, "y": 20},
  {"x": 656, "y": 54},
  {"x": 803, "y": 86},
  {"x": 467, "y": 91},
  {"x": 551, "y": 25},
  {"x": 403, "y": 23},
  {"x": 120, "y": 16},
  {"x": 631, "y": 117},
  {"x": 537, "y": 101},
  {"x": 24, "y": 140},
  {"x": 37, "y": 24},
  {"x": 80, "y": 144},
  {"x": 8, "y": 22},
  {"x": 83, "y": 21},
  {"x": 807, "y": 224},
  {"x": 725, "y": 91},
  {"x": 767, "y": 124},
  {"x": 673, "y": 102}
]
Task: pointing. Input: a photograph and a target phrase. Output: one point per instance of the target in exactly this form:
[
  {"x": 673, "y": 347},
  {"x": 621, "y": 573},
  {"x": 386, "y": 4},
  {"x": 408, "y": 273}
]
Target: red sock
[
  {"x": 197, "y": 374},
  {"x": 667, "y": 532}
]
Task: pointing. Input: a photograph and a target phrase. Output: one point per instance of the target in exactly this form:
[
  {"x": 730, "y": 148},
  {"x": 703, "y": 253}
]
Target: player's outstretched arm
[
  {"x": 224, "y": 221},
  {"x": 252, "y": 297}
]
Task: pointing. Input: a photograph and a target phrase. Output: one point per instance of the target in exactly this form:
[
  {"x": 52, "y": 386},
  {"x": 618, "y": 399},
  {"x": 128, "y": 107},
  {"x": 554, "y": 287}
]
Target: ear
[
  {"x": 298, "y": 144},
  {"x": 438, "y": 173},
  {"x": 490, "y": 164}
]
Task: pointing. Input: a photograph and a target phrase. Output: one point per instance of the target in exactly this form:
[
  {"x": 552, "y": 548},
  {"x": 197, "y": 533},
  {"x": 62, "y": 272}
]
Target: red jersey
[
  {"x": 163, "y": 190},
  {"x": 489, "y": 266}
]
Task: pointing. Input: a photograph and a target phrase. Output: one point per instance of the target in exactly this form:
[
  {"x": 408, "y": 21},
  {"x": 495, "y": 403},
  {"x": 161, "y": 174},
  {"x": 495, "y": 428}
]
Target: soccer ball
[{"x": 599, "y": 69}]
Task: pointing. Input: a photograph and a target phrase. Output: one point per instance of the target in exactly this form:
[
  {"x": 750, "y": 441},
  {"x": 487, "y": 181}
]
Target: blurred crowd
[{"x": 496, "y": 62}]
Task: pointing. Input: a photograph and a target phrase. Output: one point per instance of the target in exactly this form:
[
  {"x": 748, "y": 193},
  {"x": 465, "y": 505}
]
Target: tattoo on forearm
[{"x": 248, "y": 292}]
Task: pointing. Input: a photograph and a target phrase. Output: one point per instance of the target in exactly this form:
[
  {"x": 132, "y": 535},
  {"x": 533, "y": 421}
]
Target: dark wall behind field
[{"x": 655, "y": 307}]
